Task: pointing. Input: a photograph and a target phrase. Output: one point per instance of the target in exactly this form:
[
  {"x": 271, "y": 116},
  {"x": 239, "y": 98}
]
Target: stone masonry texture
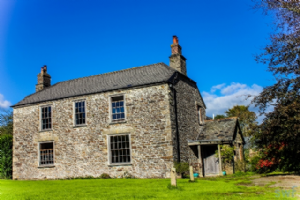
[
  {"x": 82, "y": 151},
  {"x": 187, "y": 98}
]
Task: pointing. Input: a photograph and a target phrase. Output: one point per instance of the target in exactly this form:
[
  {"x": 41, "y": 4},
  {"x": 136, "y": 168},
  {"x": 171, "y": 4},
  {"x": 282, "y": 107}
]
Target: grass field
[{"x": 213, "y": 188}]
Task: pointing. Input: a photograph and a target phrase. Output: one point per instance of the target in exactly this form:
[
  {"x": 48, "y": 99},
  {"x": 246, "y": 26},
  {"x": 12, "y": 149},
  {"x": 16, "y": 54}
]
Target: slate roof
[
  {"x": 132, "y": 77},
  {"x": 218, "y": 130}
]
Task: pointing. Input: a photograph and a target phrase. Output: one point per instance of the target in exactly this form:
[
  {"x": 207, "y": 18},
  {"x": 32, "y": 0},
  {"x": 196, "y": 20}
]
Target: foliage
[
  {"x": 227, "y": 153},
  {"x": 253, "y": 163},
  {"x": 181, "y": 167},
  {"x": 6, "y": 122},
  {"x": 104, "y": 176},
  {"x": 6, "y": 156},
  {"x": 220, "y": 117},
  {"x": 127, "y": 189},
  {"x": 278, "y": 135},
  {"x": 246, "y": 117}
]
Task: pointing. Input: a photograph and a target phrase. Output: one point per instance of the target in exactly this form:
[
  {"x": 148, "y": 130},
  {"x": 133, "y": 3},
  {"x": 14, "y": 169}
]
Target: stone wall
[
  {"x": 187, "y": 98},
  {"x": 82, "y": 151}
]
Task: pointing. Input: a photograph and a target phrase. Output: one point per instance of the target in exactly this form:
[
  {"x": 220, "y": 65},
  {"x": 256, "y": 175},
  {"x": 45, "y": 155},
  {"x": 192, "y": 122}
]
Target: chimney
[
  {"x": 44, "y": 79},
  {"x": 177, "y": 61}
]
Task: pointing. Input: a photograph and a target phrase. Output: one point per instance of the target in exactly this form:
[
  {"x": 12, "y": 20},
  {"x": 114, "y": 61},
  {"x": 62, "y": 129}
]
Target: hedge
[{"x": 6, "y": 142}]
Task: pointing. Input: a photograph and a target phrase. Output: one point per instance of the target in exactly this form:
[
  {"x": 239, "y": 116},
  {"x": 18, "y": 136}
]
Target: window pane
[
  {"x": 120, "y": 149},
  {"x": 121, "y": 103},
  {"x": 46, "y": 153}
]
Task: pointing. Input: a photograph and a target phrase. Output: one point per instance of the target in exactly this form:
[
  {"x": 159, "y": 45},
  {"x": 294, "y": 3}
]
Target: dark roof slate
[
  {"x": 218, "y": 130},
  {"x": 131, "y": 77}
]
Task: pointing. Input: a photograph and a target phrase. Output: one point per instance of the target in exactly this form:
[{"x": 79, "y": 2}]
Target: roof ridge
[{"x": 221, "y": 119}]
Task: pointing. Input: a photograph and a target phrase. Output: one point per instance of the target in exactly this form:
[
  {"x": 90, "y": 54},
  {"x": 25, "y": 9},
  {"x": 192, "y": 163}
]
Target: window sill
[
  {"x": 46, "y": 130},
  {"x": 46, "y": 166},
  {"x": 118, "y": 122},
  {"x": 119, "y": 164},
  {"x": 78, "y": 126}
]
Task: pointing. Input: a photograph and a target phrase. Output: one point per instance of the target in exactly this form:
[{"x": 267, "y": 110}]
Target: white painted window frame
[
  {"x": 85, "y": 108},
  {"x": 40, "y": 113},
  {"x": 110, "y": 108},
  {"x": 39, "y": 157},
  {"x": 109, "y": 149}
]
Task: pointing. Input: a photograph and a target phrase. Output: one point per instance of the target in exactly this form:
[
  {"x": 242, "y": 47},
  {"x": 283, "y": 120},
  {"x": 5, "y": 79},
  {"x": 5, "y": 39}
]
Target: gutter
[{"x": 176, "y": 116}]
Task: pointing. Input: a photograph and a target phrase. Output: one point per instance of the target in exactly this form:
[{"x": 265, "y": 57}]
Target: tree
[
  {"x": 6, "y": 122},
  {"x": 220, "y": 117},
  {"x": 246, "y": 117},
  {"x": 278, "y": 135},
  {"x": 6, "y": 143}
]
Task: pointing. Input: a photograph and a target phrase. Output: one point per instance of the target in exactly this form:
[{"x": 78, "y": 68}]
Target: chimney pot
[{"x": 175, "y": 40}]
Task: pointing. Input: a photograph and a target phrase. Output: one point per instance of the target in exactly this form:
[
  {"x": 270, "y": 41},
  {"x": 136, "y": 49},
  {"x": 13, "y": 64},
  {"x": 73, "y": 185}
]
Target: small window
[
  {"x": 119, "y": 149},
  {"x": 46, "y": 153},
  {"x": 200, "y": 114},
  {"x": 118, "y": 111},
  {"x": 46, "y": 118},
  {"x": 79, "y": 113}
]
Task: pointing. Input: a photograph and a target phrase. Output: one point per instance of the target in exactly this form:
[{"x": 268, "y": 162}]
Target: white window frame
[
  {"x": 41, "y": 120},
  {"x": 110, "y": 108},
  {"x": 39, "y": 157},
  {"x": 109, "y": 149},
  {"x": 74, "y": 116}
]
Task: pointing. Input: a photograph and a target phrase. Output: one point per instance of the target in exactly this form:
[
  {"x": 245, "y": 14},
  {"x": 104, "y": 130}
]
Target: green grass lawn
[{"x": 213, "y": 188}]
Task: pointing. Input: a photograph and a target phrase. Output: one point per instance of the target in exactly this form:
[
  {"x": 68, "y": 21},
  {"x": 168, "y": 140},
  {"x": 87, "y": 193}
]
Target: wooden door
[{"x": 210, "y": 161}]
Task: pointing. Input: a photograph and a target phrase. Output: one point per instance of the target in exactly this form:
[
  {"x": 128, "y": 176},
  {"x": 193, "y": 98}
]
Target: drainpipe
[{"x": 176, "y": 118}]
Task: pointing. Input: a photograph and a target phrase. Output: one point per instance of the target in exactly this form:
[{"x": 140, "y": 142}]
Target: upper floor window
[
  {"x": 80, "y": 113},
  {"x": 119, "y": 149},
  {"x": 46, "y": 118},
  {"x": 200, "y": 117},
  {"x": 46, "y": 153},
  {"x": 118, "y": 111}
]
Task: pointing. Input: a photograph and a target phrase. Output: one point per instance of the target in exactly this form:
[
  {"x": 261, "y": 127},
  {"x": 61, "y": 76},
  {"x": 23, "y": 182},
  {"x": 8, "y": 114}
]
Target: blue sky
[{"x": 77, "y": 38}]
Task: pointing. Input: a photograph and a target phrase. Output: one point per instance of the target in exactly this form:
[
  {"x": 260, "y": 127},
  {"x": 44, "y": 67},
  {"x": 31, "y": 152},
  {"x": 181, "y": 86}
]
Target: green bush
[
  {"x": 6, "y": 142},
  {"x": 104, "y": 176},
  {"x": 181, "y": 167},
  {"x": 254, "y": 162}
]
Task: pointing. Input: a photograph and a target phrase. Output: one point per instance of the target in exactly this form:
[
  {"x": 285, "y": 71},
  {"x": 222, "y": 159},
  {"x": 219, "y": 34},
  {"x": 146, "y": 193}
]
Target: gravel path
[{"x": 286, "y": 182}]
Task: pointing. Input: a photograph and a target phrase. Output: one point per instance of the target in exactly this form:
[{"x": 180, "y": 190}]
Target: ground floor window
[
  {"x": 46, "y": 153},
  {"x": 119, "y": 149}
]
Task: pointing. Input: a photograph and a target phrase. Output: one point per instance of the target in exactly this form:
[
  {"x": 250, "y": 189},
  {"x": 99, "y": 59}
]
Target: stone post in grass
[
  {"x": 192, "y": 178},
  {"x": 173, "y": 177}
]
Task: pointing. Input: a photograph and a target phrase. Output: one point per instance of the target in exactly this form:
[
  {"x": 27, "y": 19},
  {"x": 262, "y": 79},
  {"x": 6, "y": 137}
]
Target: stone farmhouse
[{"x": 139, "y": 120}]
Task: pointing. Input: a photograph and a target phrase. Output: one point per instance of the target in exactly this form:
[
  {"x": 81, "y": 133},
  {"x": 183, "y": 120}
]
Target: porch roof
[{"x": 220, "y": 131}]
